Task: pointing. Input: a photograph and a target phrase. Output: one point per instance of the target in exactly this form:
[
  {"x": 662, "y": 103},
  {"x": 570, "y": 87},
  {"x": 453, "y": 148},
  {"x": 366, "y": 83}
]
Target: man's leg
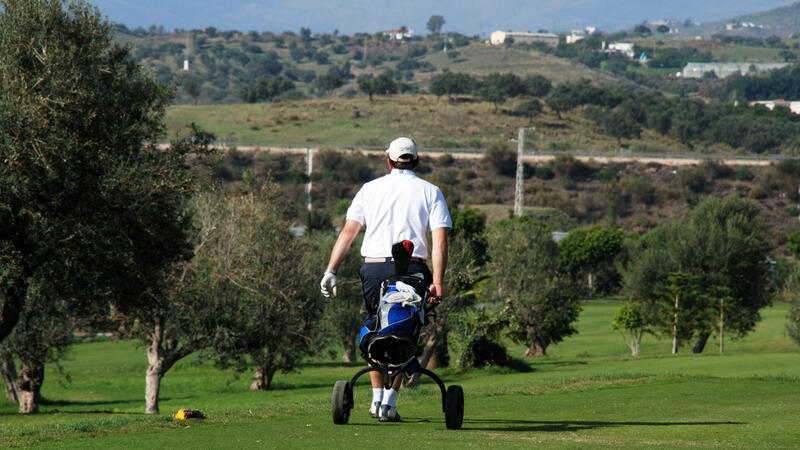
[
  {"x": 388, "y": 411},
  {"x": 372, "y": 275}
]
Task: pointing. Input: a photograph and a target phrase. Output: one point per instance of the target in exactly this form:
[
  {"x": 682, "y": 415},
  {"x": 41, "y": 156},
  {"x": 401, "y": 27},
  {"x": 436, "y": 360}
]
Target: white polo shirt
[{"x": 396, "y": 207}]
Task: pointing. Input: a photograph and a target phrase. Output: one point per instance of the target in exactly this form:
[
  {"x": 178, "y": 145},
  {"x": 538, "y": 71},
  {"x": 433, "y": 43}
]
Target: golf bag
[{"x": 389, "y": 338}]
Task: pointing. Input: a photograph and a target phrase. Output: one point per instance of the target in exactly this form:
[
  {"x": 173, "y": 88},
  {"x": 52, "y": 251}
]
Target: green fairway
[{"x": 588, "y": 392}]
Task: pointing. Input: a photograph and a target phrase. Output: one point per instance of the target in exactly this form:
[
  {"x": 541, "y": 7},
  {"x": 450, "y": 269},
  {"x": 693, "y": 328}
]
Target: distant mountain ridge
[{"x": 782, "y": 21}]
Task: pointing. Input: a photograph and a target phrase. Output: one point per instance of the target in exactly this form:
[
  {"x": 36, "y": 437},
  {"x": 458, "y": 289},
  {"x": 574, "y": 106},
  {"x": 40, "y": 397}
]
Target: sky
[{"x": 468, "y": 17}]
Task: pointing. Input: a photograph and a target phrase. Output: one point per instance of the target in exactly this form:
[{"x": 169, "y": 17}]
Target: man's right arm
[{"x": 439, "y": 260}]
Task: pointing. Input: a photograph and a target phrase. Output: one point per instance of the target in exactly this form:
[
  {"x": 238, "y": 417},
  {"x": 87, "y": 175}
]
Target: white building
[
  {"x": 398, "y": 34},
  {"x": 523, "y": 37},
  {"x": 771, "y": 104},
  {"x": 625, "y": 48},
  {"x": 724, "y": 70},
  {"x": 575, "y": 36}
]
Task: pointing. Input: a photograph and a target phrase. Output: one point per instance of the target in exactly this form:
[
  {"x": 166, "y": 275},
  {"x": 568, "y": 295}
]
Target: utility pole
[
  {"x": 518, "y": 192},
  {"x": 721, "y": 325},
  {"x": 309, "y": 169}
]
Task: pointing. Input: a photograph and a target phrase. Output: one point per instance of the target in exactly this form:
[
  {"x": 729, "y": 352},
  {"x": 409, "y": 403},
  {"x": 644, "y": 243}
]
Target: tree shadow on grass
[
  {"x": 46, "y": 402},
  {"x": 546, "y": 426},
  {"x": 92, "y": 407},
  {"x": 571, "y": 426},
  {"x": 358, "y": 363}
]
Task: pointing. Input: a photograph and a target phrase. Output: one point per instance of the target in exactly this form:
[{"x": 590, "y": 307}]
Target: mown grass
[{"x": 588, "y": 392}]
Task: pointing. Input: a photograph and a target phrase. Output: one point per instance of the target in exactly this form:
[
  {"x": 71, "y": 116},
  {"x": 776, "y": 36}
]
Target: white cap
[{"x": 402, "y": 149}]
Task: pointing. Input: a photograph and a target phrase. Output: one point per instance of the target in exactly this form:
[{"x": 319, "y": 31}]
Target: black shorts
[{"x": 373, "y": 274}]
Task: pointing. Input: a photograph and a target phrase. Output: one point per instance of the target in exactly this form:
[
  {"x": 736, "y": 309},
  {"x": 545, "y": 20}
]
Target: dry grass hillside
[{"x": 431, "y": 121}]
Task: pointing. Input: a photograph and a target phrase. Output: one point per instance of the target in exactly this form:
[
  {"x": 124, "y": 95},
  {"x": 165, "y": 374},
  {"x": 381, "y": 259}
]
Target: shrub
[
  {"x": 274, "y": 164},
  {"x": 569, "y": 167},
  {"x": 743, "y": 173},
  {"x": 529, "y": 108},
  {"x": 446, "y": 159},
  {"x": 501, "y": 158},
  {"x": 475, "y": 339},
  {"x": 758, "y": 192},
  {"x": 543, "y": 173},
  {"x": 715, "y": 169},
  {"x": 607, "y": 176},
  {"x": 468, "y": 174},
  {"x": 319, "y": 220},
  {"x": 238, "y": 159},
  {"x": 789, "y": 167},
  {"x": 640, "y": 190},
  {"x": 340, "y": 208},
  {"x": 553, "y": 218},
  {"x": 567, "y": 183},
  {"x": 527, "y": 171},
  {"x": 694, "y": 179},
  {"x": 793, "y": 323},
  {"x": 448, "y": 177},
  {"x": 594, "y": 113}
]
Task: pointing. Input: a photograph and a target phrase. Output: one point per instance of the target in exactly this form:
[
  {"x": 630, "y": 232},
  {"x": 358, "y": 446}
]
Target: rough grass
[
  {"x": 481, "y": 60},
  {"x": 431, "y": 121},
  {"x": 588, "y": 392}
]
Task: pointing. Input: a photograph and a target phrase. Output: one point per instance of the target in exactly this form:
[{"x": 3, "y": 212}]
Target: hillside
[
  {"x": 782, "y": 22},
  {"x": 430, "y": 121},
  {"x": 222, "y": 63}
]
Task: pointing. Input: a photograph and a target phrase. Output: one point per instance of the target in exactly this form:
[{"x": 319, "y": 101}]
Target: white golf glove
[{"x": 328, "y": 283}]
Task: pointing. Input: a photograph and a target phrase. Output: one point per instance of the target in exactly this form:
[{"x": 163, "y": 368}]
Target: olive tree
[
  {"x": 343, "y": 313},
  {"x": 87, "y": 203},
  {"x": 465, "y": 267},
  {"x": 265, "y": 277},
  {"x": 631, "y": 322},
  {"x": 543, "y": 299},
  {"x": 587, "y": 249},
  {"x": 724, "y": 245}
]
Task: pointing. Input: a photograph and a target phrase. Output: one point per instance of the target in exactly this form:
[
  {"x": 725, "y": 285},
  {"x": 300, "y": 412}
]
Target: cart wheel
[
  {"x": 454, "y": 407},
  {"x": 341, "y": 402}
]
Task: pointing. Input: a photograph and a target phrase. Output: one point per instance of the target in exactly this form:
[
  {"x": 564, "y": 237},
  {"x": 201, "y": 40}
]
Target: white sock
[
  {"x": 389, "y": 397},
  {"x": 377, "y": 395}
]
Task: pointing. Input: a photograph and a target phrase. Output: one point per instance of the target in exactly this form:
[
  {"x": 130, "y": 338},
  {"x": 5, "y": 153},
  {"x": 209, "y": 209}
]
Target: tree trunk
[
  {"x": 440, "y": 357},
  {"x": 29, "y": 384},
  {"x": 9, "y": 373},
  {"x": 435, "y": 342},
  {"x": 156, "y": 368},
  {"x": 721, "y": 325},
  {"x": 161, "y": 356},
  {"x": 675, "y": 329},
  {"x": 535, "y": 349},
  {"x": 262, "y": 379},
  {"x": 349, "y": 354},
  {"x": 13, "y": 297},
  {"x": 152, "y": 387},
  {"x": 635, "y": 341},
  {"x": 702, "y": 339}
]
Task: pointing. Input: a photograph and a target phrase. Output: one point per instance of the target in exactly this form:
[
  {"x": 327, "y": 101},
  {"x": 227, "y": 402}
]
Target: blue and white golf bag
[{"x": 390, "y": 337}]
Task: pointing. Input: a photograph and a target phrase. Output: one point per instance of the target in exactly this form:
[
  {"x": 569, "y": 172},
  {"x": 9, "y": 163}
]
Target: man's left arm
[{"x": 438, "y": 260}]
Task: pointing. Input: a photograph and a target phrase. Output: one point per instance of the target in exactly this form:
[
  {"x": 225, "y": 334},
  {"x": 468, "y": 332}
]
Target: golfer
[{"x": 394, "y": 207}]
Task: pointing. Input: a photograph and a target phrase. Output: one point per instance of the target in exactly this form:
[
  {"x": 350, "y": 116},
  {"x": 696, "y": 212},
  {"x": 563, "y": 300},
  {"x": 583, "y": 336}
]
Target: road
[{"x": 543, "y": 156}]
